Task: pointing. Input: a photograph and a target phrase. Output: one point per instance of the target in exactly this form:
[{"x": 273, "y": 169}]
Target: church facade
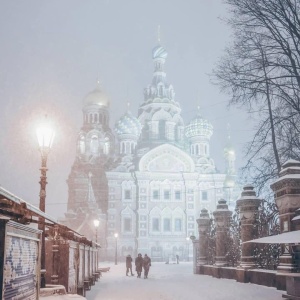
[{"x": 147, "y": 179}]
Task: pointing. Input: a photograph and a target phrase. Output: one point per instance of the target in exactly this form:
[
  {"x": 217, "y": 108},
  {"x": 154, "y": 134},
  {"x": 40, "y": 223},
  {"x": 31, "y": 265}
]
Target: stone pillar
[
  {"x": 222, "y": 217},
  {"x": 248, "y": 208},
  {"x": 287, "y": 196},
  {"x": 203, "y": 228},
  {"x": 195, "y": 243}
]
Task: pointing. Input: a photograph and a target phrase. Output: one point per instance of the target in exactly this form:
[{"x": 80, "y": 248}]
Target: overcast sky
[{"x": 52, "y": 52}]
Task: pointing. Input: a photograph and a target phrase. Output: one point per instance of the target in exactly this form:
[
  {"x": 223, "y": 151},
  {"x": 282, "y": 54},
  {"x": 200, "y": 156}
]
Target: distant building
[{"x": 149, "y": 180}]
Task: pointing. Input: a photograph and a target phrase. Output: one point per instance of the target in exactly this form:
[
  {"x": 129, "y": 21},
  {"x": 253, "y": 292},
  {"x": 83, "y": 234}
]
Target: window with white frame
[
  {"x": 155, "y": 224},
  {"x": 178, "y": 224},
  {"x": 204, "y": 196},
  {"x": 155, "y": 194},
  {"x": 127, "y": 224},
  {"x": 177, "y": 195},
  {"x": 167, "y": 224},
  {"x": 166, "y": 194},
  {"x": 127, "y": 194}
]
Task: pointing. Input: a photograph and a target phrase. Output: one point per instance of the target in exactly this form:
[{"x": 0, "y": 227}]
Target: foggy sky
[{"x": 52, "y": 52}]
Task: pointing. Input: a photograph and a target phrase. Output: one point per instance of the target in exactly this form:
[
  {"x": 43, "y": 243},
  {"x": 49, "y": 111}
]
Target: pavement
[{"x": 174, "y": 282}]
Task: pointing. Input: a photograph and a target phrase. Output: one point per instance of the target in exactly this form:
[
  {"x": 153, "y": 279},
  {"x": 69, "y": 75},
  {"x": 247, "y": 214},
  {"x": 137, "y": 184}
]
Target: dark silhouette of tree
[{"x": 260, "y": 71}]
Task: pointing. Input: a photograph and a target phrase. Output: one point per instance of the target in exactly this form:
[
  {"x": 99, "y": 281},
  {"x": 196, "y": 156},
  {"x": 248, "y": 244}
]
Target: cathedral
[{"x": 146, "y": 179}]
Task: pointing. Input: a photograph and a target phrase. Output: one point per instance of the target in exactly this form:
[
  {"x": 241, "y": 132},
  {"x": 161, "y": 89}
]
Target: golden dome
[{"x": 96, "y": 97}]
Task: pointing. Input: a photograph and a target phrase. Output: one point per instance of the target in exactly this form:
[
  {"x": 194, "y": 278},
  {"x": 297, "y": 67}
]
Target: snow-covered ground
[{"x": 174, "y": 282}]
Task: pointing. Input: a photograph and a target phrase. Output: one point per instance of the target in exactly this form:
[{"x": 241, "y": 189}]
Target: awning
[{"x": 292, "y": 237}]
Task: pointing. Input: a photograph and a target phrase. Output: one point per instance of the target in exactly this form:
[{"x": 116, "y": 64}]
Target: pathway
[{"x": 174, "y": 282}]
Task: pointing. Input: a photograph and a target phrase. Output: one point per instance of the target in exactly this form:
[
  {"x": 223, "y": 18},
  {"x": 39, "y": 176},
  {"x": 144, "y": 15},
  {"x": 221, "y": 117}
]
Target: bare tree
[{"x": 260, "y": 71}]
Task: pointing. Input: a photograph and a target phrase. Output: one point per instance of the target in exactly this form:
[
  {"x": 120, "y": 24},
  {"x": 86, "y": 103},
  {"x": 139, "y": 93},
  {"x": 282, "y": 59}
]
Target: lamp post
[
  {"x": 116, "y": 250},
  {"x": 96, "y": 224},
  {"x": 45, "y": 136},
  {"x": 187, "y": 246}
]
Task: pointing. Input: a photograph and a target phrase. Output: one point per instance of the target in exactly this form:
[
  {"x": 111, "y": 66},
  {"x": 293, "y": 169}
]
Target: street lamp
[
  {"x": 188, "y": 250},
  {"x": 116, "y": 253},
  {"x": 96, "y": 224},
  {"x": 45, "y": 136}
]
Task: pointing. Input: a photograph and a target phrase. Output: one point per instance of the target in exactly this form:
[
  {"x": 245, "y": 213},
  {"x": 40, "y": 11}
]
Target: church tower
[
  {"x": 95, "y": 143},
  {"x": 159, "y": 114},
  {"x": 199, "y": 132}
]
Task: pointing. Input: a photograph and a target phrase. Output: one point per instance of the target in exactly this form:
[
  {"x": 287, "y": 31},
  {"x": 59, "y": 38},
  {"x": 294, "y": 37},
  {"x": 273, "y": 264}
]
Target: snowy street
[{"x": 174, "y": 282}]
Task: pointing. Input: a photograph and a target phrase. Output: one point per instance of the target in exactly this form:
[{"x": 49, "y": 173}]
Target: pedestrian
[
  {"x": 177, "y": 258},
  {"x": 146, "y": 265},
  {"x": 129, "y": 265},
  {"x": 139, "y": 265}
]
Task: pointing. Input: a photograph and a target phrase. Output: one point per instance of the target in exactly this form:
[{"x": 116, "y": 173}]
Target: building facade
[{"x": 152, "y": 177}]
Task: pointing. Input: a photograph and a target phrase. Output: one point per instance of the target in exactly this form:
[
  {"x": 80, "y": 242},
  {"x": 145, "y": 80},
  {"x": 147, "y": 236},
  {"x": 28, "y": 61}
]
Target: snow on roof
[
  {"x": 292, "y": 237},
  {"x": 296, "y": 218},
  {"x": 288, "y": 176}
]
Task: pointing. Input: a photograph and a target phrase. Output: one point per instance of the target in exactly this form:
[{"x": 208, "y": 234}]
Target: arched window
[
  {"x": 176, "y": 133},
  {"x": 127, "y": 147},
  {"x": 161, "y": 90},
  {"x": 146, "y": 131},
  {"x": 100, "y": 118},
  {"x": 96, "y": 118},
  {"x": 162, "y": 129},
  {"x": 131, "y": 148},
  {"x": 94, "y": 144},
  {"x": 82, "y": 145},
  {"x": 123, "y": 148},
  {"x": 197, "y": 150},
  {"x": 106, "y": 147},
  {"x": 91, "y": 118}
]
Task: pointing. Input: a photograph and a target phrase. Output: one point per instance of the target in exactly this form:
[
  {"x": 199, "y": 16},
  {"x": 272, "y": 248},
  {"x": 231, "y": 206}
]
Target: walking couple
[{"x": 141, "y": 263}]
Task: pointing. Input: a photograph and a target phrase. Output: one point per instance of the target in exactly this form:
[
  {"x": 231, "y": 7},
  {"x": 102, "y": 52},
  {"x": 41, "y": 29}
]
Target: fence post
[
  {"x": 248, "y": 208},
  {"x": 287, "y": 196},
  {"x": 203, "y": 228},
  {"x": 222, "y": 217}
]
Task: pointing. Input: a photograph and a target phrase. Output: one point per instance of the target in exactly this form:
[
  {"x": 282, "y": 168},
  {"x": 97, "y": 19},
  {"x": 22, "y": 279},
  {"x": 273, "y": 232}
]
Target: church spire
[{"x": 158, "y": 35}]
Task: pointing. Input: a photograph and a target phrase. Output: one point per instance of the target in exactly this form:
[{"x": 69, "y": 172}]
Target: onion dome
[
  {"x": 96, "y": 97},
  {"x": 199, "y": 127},
  {"x": 128, "y": 124},
  {"x": 159, "y": 52}
]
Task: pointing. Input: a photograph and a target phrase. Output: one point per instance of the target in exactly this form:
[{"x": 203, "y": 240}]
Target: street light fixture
[
  {"x": 116, "y": 252},
  {"x": 45, "y": 136},
  {"x": 96, "y": 224},
  {"x": 188, "y": 248}
]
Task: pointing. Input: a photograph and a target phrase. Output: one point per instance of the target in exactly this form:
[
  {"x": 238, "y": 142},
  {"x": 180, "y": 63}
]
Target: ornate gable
[{"x": 166, "y": 158}]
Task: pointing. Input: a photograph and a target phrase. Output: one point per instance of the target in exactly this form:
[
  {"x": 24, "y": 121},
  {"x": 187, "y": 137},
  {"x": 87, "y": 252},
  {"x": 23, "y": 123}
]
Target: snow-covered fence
[
  {"x": 256, "y": 219},
  {"x": 71, "y": 259}
]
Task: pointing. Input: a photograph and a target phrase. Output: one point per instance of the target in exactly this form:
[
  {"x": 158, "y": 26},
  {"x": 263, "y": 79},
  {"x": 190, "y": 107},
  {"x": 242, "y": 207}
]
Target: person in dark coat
[
  {"x": 139, "y": 265},
  {"x": 146, "y": 265},
  {"x": 129, "y": 265}
]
